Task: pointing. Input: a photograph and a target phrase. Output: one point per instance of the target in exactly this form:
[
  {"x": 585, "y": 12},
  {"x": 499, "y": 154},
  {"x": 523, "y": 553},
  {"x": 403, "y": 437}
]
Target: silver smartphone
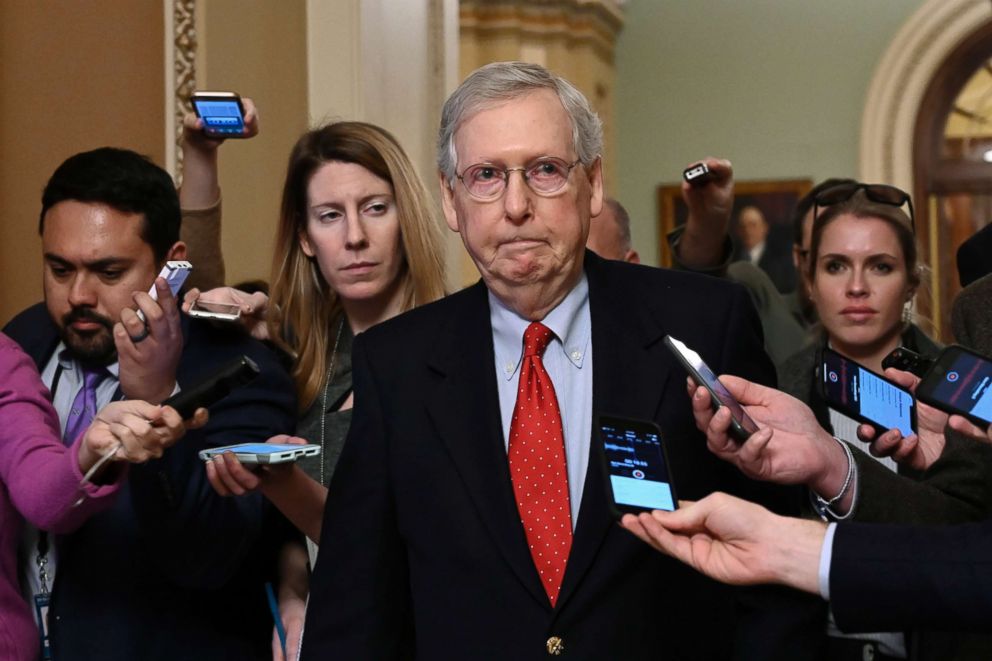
[
  {"x": 211, "y": 310},
  {"x": 263, "y": 453}
]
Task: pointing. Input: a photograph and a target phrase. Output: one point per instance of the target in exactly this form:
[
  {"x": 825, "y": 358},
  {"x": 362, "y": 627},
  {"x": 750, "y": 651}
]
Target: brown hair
[{"x": 303, "y": 308}]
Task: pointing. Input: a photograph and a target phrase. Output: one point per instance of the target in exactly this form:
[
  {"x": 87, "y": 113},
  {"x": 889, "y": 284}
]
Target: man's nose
[
  {"x": 82, "y": 292},
  {"x": 517, "y": 198}
]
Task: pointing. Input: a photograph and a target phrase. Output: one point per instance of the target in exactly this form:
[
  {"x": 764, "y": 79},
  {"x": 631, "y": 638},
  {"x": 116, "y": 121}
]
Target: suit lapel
[
  {"x": 465, "y": 409},
  {"x": 630, "y": 371}
]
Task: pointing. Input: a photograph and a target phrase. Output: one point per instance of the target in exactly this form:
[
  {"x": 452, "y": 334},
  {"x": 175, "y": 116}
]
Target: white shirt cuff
[{"x": 826, "y": 556}]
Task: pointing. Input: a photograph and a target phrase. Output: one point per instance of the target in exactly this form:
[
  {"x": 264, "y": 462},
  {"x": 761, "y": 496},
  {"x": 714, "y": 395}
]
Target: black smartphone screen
[
  {"x": 866, "y": 396},
  {"x": 635, "y": 465},
  {"x": 962, "y": 381},
  {"x": 220, "y": 116}
]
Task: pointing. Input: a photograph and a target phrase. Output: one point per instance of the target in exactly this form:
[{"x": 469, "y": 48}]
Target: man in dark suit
[
  {"x": 469, "y": 516},
  {"x": 172, "y": 571},
  {"x": 761, "y": 247}
]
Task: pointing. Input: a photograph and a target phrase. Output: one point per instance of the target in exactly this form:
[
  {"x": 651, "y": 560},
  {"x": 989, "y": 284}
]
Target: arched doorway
[
  {"x": 948, "y": 166},
  {"x": 911, "y": 96}
]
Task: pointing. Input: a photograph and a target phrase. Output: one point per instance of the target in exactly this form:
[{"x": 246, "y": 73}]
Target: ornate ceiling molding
[{"x": 597, "y": 22}]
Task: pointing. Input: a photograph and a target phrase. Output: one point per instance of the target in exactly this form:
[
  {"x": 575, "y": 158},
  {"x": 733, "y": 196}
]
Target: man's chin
[{"x": 96, "y": 348}]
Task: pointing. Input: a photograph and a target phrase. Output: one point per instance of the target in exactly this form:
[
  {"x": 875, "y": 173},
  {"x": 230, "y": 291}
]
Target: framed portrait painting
[{"x": 771, "y": 200}]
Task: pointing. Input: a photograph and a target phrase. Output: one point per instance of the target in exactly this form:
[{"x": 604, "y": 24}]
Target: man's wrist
[
  {"x": 796, "y": 560},
  {"x": 840, "y": 505},
  {"x": 834, "y": 468},
  {"x": 156, "y": 397}
]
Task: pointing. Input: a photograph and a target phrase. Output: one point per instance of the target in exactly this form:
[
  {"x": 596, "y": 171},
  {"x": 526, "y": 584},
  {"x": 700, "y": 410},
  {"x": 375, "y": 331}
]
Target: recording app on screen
[
  {"x": 221, "y": 116},
  {"x": 867, "y": 394},
  {"x": 967, "y": 386},
  {"x": 638, "y": 474}
]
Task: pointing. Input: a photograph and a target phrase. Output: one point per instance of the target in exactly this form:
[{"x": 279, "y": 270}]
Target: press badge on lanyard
[{"x": 43, "y": 598}]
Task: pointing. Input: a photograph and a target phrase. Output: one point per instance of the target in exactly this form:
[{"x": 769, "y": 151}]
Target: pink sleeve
[{"x": 41, "y": 475}]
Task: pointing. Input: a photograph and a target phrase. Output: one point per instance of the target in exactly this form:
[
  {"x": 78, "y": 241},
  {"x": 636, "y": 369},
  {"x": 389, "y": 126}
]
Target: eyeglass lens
[{"x": 546, "y": 175}]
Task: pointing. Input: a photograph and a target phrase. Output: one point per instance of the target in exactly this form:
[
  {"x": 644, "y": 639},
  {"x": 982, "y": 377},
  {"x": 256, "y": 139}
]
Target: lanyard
[{"x": 42, "y": 560}]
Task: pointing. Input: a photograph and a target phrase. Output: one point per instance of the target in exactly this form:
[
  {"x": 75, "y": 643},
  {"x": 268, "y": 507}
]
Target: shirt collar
[{"x": 569, "y": 321}]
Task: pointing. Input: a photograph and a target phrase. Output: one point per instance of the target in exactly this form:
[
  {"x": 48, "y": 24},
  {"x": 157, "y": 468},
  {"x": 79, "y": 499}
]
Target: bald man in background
[
  {"x": 609, "y": 237},
  {"x": 609, "y": 233}
]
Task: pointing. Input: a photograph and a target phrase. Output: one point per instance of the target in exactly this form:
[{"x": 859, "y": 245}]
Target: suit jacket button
[{"x": 555, "y": 646}]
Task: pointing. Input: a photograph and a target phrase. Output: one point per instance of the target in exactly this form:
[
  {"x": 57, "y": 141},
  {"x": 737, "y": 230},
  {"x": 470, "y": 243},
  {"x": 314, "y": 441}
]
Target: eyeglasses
[
  {"x": 880, "y": 193},
  {"x": 544, "y": 176}
]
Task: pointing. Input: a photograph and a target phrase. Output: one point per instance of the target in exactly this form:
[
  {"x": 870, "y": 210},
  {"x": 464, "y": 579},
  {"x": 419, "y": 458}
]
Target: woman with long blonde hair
[{"x": 358, "y": 242}]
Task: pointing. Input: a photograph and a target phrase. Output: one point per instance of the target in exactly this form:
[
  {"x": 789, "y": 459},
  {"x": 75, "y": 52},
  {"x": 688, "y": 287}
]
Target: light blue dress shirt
[{"x": 568, "y": 360}]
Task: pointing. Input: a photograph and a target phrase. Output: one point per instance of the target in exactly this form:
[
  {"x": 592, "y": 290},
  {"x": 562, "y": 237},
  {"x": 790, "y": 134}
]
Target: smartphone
[
  {"x": 903, "y": 359},
  {"x": 218, "y": 385},
  {"x": 638, "y": 477},
  {"x": 175, "y": 274},
  {"x": 865, "y": 396},
  {"x": 698, "y": 174},
  {"x": 263, "y": 453},
  {"x": 741, "y": 424},
  {"x": 209, "y": 310},
  {"x": 222, "y": 113},
  {"x": 960, "y": 382}
]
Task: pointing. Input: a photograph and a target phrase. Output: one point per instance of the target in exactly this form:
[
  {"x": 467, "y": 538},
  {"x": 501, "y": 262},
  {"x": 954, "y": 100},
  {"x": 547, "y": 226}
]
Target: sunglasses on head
[{"x": 880, "y": 193}]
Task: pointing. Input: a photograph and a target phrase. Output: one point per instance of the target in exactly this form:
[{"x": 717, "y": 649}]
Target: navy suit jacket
[
  {"x": 886, "y": 577},
  {"x": 422, "y": 552},
  {"x": 172, "y": 570}
]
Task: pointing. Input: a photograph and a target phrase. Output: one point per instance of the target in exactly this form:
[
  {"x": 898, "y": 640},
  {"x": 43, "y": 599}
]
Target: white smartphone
[
  {"x": 175, "y": 273},
  {"x": 263, "y": 453},
  {"x": 211, "y": 310}
]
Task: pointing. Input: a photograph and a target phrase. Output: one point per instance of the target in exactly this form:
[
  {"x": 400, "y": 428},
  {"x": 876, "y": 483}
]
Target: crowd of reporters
[{"x": 177, "y": 565}]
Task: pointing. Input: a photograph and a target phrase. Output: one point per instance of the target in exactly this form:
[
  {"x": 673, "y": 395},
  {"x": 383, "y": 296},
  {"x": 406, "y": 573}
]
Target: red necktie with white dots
[{"x": 537, "y": 464}]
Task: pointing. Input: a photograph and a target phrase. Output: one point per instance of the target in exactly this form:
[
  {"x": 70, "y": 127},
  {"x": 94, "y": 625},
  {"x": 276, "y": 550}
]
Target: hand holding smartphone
[
  {"x": 859, "y": 393},
  {"x": 741, "y": 425},
  {"x": 222, "y": 113},
  {"x": 263, "y": 453},
  {"x": 698, "y": 174},
  {"x": 636, "y": 465},
  {"x": 174, "y": 273},
  {"x": 960, "y": 382},
  {"x": 214, "y": 310}
]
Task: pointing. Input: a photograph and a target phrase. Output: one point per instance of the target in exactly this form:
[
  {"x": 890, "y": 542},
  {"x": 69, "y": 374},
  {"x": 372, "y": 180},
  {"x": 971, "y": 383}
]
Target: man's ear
[
  {"x": 448, "y": 202},
  {"x": 595, "y": 175},
  {"x": 176, "y": 253}
]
